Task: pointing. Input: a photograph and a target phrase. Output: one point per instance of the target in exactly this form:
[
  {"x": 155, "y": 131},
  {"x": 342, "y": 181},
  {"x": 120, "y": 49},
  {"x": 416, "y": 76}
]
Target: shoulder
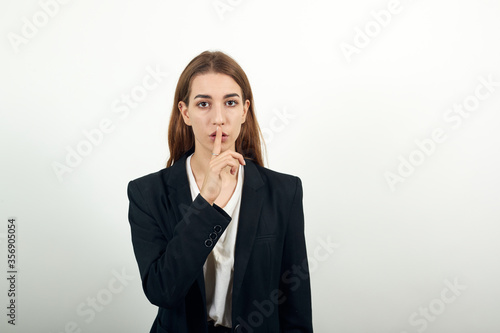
[
  {"x": 275, "y": 176},
  {"x": 281, "y": 192},
  {"x": 151, "y": 184},
  {"x": 151, "y": 178},
  {"x": 174, "y": 176},
  {"x": 277, "y": 181}
]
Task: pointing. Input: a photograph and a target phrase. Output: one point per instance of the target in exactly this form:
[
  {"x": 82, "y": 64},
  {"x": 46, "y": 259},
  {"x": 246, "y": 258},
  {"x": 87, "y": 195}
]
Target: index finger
[{"x": 217, "y": 141}]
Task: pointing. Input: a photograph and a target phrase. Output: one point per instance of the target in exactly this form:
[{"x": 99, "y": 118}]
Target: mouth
[
  {"x": 214, "y": 133},
  {"x": 224, "y": 136}
]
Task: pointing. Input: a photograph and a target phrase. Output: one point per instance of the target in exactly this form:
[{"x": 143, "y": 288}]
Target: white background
[{"x": 350, "y": 120}]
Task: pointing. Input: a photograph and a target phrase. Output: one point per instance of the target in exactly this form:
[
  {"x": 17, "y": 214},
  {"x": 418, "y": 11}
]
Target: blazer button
[
  {"x": 213, "y": 235},
  {"x": 208, "y": 243},
  {"x": 217, "y": 228},
  {"x": 237, "y": 328}
]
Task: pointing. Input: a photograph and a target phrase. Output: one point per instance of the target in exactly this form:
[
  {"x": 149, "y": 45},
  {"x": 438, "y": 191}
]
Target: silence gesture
[{"x": 221, "y": 166}]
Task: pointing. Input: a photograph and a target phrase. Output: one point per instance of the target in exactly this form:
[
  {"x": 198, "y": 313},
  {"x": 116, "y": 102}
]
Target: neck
[{"x": 199, "y": 162}]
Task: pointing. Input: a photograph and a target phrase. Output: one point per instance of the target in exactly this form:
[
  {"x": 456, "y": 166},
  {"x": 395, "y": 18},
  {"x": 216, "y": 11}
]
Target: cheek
[
  {"x": 199, "y": 124},
  {"x": 196, "y": 119},
  {"x": 237, "y": 128}
]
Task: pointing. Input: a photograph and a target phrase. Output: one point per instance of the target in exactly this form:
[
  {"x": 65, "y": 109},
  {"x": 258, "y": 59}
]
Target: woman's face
[{"x": 215, "y": 100}]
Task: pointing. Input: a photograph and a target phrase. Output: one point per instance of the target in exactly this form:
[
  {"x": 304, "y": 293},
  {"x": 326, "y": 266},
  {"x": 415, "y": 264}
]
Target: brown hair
[{"x": 180, "y": 135}]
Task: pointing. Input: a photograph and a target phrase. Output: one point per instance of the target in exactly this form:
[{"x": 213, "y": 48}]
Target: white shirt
[{"x": 219, "y": 266}]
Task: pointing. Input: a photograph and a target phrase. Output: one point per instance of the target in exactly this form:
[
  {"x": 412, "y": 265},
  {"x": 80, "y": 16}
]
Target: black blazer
[{"x": 172, "y": 236}]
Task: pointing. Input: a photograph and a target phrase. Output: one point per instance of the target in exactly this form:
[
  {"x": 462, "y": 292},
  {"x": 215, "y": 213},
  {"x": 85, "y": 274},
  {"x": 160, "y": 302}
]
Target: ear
[
  {"x": 245, "y": 111},
  {"x": 183, "y": 109}
]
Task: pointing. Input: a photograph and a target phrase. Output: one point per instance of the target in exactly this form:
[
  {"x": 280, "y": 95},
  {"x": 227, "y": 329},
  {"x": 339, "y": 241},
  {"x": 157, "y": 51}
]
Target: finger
[
  {"x": 236, "y": 156},
  {"x": 242, "y": 160},
  {"x": 217, "y": 142},
  {"x": 231, "y": 163},
  {"x": 223, "y": 162},
  {"x": 233, "y": 166},
  {"x": 239, "y": 158}
]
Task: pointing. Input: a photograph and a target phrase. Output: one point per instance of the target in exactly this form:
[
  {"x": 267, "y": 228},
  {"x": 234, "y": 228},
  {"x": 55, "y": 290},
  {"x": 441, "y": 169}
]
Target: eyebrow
[{"x": 210, "y": 97}]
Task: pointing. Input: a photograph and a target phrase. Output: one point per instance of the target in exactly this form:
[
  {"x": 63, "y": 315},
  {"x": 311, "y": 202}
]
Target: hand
[{"x": 219, "y": 164}]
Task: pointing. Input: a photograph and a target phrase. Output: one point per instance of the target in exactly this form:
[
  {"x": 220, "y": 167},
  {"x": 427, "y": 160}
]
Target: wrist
[{"x": 207, "y": 198}]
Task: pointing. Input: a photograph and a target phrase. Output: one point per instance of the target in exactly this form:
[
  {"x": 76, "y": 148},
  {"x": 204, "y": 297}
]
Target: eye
[
  {"x": 231, "y": 103},
  {"x": 202, "y": 104}
]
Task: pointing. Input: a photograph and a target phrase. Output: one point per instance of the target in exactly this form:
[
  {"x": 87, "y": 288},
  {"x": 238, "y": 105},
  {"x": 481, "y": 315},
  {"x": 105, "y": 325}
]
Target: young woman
[{"x": 218, "y": 238}]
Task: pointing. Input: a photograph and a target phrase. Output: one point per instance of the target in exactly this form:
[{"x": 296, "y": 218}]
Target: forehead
[{"x": 214, "y": 84}]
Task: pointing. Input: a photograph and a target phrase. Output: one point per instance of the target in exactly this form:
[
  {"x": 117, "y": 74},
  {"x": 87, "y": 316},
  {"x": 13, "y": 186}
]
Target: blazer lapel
[
  {"x": 251, "y": 204},
  {"x": 179, "y": 193}
]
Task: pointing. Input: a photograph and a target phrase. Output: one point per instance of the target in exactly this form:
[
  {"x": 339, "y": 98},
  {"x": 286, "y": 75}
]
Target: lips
[
  {"x": 214, "y": 134},
  {"x": 223, "y": 139}
]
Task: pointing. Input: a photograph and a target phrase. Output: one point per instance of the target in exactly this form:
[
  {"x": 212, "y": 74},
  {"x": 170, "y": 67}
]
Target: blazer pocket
[
  {"x": 262, "y": 262},
  {"x": 261, "y": 238}
]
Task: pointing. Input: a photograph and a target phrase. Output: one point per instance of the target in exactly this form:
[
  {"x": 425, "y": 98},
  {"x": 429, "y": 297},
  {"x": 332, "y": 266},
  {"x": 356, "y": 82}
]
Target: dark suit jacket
[{"x": 172, "y": 236}]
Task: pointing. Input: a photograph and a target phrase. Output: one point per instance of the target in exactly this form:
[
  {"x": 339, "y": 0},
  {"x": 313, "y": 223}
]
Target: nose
[{"x": 218, "y": 114}]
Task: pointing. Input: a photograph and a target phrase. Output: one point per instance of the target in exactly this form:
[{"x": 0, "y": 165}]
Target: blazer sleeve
[
  {"x": 169, "y": 267},
  {"x": 295, "y": 312}
]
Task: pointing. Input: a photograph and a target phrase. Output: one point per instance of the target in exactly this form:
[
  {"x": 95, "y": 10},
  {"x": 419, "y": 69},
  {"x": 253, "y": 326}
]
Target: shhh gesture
[{"x": 222, "y": 169}]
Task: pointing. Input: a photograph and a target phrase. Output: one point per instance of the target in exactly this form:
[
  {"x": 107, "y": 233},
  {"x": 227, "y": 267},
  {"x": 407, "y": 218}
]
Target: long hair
[{"x": 180, "y": 135}]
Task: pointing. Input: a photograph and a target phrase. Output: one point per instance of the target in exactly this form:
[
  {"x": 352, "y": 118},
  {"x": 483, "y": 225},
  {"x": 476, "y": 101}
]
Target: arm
[
  {"x": 168, "y": 267},
  {"x": 295, "y": 312}
]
